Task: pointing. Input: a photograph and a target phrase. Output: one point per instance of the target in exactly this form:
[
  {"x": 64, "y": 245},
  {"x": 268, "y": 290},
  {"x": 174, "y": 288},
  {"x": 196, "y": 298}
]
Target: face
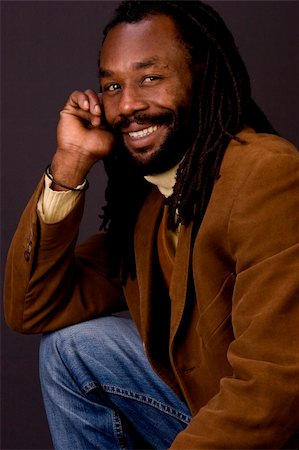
[{"x": 146, "y": 83}]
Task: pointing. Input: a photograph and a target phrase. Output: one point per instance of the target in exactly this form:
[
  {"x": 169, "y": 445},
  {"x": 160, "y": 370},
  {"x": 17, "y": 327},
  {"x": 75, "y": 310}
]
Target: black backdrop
[{"x": 49, "y": 48}]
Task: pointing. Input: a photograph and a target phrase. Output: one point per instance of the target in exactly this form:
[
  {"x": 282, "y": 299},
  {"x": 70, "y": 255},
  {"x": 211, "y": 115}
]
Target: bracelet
[{"x": 50, "y": 176}]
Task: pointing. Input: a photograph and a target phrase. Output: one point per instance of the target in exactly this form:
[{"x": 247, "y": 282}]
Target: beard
[{"x": 177, "y": 141}]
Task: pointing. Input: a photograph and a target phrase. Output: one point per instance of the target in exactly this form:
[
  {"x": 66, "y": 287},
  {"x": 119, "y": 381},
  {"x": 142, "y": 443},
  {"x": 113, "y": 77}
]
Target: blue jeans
[{"x": 101, "y": 393}]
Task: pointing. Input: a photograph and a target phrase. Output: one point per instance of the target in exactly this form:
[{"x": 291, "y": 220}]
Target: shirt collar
[{"x": 164, "y": 181}]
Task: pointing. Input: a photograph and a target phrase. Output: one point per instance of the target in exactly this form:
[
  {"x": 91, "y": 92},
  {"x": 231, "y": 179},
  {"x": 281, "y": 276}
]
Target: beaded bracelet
[{"x": 50, "y": 176}]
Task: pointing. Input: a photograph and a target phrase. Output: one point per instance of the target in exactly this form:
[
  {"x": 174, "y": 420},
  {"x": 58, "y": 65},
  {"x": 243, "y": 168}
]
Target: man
[{"x": 200, "y": 243}]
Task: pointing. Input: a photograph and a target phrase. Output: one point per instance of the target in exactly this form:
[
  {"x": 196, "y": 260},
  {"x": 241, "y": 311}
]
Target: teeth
[{"x": 143, "y": 133}]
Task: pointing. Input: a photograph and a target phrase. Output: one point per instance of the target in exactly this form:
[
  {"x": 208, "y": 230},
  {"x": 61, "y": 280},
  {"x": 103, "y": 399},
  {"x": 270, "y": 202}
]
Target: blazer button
[{"x": 27, "y": 255}]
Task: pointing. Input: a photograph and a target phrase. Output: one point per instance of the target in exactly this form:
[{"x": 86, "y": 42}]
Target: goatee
[{"x": 171, "y": 151}]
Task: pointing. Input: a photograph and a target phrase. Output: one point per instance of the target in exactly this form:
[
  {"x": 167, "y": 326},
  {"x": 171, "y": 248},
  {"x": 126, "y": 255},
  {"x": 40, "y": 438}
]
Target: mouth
[
  {"x": 144, "y": 139},
  {"x": 143, "y": 133}
]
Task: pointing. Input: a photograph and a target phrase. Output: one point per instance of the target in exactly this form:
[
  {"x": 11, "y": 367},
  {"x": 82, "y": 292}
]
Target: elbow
[
  {"x": 15, "y": 322},
  {"x": 15, "y": 314}
]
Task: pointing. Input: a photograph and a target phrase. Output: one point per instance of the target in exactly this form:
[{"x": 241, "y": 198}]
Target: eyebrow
[{"x": 145, "y": 64}]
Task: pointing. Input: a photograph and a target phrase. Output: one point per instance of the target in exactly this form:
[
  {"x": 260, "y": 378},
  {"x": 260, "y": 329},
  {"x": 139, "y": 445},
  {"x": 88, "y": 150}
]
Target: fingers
[{"x": 85, "y": 105}]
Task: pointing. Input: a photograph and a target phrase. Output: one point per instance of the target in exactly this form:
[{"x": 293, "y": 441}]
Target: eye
[
  {"x": 112, "y": 87},
  {"x": 150, "y": 79}
]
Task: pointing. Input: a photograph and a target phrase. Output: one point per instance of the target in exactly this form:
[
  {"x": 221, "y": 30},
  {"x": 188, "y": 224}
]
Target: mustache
[{"x": 142, "y": 119}]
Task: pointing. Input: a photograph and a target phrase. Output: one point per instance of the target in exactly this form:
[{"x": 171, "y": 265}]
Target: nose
[{"x": 131, "y": 101}]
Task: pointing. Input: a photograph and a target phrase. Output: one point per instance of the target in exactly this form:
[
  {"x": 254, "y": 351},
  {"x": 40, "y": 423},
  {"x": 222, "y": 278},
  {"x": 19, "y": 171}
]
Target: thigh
[{"x": 106, "y": 358}]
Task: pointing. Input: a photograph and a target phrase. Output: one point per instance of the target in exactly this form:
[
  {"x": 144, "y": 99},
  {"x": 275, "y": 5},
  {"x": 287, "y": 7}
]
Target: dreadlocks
[{"x": 224, "y": 106}]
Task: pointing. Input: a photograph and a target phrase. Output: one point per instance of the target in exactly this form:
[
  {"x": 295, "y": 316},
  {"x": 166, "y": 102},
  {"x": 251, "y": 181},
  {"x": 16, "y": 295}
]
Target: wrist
[
  {"x": 57, "y": 185},
  {"x": 69, "y": 170}
]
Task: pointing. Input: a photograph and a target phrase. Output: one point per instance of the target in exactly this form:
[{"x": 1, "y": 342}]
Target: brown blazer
[{"x": 231, "y": 346}]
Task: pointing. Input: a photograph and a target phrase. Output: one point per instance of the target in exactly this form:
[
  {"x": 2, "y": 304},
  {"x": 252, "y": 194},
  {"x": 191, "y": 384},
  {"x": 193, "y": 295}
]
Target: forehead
[{"x": 155, "y": 38}]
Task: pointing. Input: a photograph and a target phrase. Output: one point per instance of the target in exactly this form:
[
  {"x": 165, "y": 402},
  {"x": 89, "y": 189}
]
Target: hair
[{"x": 224, "y": 106}]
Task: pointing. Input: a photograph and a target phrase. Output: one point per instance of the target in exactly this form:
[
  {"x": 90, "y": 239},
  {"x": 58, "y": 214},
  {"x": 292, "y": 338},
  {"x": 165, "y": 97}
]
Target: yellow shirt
[{"x": 54, "y": 206}]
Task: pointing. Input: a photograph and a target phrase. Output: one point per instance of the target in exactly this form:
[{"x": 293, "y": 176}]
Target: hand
[{"x": 82, "y": 138}]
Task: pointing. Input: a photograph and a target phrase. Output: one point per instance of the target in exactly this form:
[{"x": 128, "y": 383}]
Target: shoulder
[
  {"x": 257, "y": 151},
  {"x": 260, "y": 165},
  {"x": 259, "y": 146}
]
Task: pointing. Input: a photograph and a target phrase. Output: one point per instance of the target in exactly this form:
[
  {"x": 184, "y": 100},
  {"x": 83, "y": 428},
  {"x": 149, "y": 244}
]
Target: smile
[{"x": 143, "y": 133}]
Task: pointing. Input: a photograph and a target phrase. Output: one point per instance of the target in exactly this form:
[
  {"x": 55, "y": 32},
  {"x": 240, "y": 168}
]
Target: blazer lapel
[
  {"x": 145, "y": 245},
  {"x": 145, "y": 242},
  {"x": 180, "y": 279}
]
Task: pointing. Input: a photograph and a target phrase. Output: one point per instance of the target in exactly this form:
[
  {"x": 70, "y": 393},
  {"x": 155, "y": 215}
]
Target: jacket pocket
[{"x": 215, "y": 320}]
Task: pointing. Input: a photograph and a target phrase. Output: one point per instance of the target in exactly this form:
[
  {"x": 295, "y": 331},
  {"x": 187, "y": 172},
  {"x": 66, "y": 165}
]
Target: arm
[
  {"x": 49, "y": 284},
  {"x": 257, "y": 407}
]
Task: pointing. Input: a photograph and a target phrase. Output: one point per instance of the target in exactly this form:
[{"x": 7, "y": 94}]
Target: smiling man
[
  {"x": 200, "y": 243},
  {"x": 146, "y": 99}
]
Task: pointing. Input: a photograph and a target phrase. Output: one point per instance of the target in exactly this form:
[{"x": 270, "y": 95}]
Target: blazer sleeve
[
  {"x": 257, "y": 407},
  {"x": 49, "y": 282}
]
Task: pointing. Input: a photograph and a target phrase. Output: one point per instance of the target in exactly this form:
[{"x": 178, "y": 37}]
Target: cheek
[
  {"x": 164, "y": 98},
  {"x": 109, "y": 111},
  {"x": 180, "y": 93}
]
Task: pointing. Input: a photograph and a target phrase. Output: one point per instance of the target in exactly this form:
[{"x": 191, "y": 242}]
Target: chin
[
  {"x": 155, "y": 165},
  {"x": 161, "y": 157}
]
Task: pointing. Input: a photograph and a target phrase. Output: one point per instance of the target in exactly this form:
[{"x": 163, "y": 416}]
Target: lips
[
  {"x": 144, "y": 140},
  {"x": 143, "y": 133}
]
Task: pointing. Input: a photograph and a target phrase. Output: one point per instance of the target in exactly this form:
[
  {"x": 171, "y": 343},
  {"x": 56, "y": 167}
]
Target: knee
[
  {"x": 62, "y": 359},
  {"x": 56, "y": 345},
  {"x": 105, "y": 334},
  {"x": 62, "y": 350},
  {"x": 52, "y": 345},
  {"x": 50, "y": 356}
]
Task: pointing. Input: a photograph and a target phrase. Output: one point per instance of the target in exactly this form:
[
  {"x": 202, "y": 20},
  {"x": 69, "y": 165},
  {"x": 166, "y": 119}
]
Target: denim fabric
[{"x": 100, "y": 391}]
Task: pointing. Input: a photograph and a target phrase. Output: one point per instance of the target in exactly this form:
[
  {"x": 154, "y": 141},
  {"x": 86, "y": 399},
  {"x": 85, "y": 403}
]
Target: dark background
[{"x": 48, "y": 50}]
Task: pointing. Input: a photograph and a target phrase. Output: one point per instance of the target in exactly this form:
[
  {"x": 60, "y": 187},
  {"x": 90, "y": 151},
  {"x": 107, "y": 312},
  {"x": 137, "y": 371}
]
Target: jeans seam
[
  {"x": 89, "y": 386},
  {"x": 146, "y": 399},
  {"x": 116, "y": 420},
  {"x": 118, "y": 430}
]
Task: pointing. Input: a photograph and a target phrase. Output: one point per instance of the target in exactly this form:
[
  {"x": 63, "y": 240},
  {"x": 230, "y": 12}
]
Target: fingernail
[
  {"x": 86, "y": 104},
  {"x": 97, "y": 108}
]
